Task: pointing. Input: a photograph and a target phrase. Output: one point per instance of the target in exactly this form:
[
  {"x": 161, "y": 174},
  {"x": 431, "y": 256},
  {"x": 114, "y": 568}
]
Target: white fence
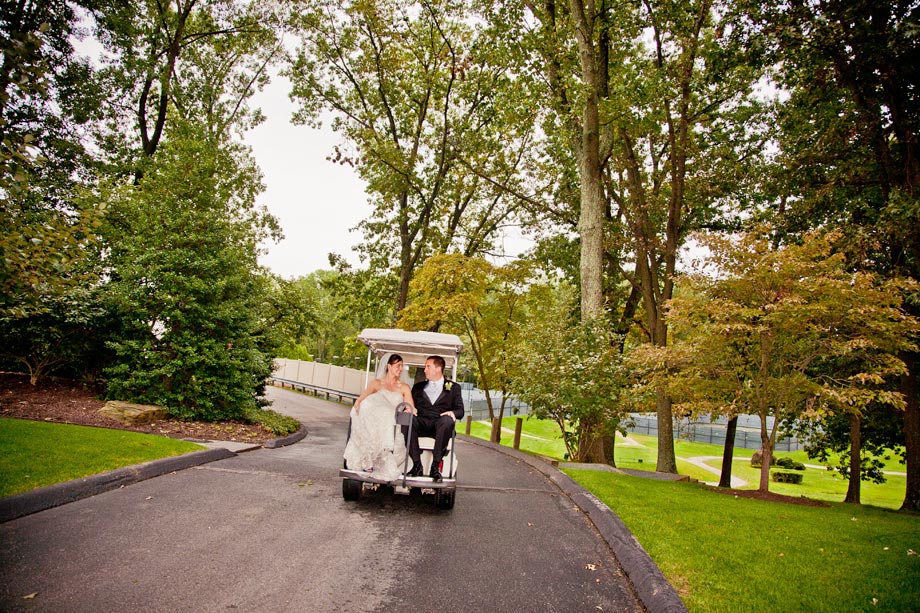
[{"x": 327, "y": 379}]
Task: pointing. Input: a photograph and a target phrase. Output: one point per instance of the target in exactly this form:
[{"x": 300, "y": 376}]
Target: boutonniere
[{"x": 448, "y": 385}]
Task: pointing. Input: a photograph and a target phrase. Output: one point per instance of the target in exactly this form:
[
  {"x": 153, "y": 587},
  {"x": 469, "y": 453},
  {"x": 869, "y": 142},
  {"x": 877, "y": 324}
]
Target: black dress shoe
[
  {"x": 416, "y": 471},
  {"x": 435, "y": 474}
]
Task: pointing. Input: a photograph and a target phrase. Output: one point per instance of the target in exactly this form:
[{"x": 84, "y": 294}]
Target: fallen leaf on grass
[{"x": 911, "y": 552}]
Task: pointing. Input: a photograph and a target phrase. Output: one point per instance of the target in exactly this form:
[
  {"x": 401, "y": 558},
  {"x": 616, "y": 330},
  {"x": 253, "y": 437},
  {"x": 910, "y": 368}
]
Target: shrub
[
  {"x": 782, "y": 476},
  {"x": 790, "y": 464},
  {"x": 757, "y": 459},
  {"x": 276, "y": 423}
]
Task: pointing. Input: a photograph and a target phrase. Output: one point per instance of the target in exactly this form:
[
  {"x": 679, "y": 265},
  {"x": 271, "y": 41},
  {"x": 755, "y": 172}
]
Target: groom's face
[{"x": 433, "y": 372}]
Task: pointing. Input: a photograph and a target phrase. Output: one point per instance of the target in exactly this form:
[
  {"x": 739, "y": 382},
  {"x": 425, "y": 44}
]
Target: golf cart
[{"x": 414, "y": 348}]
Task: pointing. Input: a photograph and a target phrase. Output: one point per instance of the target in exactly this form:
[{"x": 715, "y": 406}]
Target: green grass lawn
[
  {"x": 724, "y": 553},
  {"x": 35, "y": 454},
  {"x": 640, "y": 452}
]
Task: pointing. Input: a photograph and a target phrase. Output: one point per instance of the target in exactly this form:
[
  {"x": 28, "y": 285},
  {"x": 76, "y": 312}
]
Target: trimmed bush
[
  {"x": 782, "y": 476},
  {"x": 790, "y": 464}
]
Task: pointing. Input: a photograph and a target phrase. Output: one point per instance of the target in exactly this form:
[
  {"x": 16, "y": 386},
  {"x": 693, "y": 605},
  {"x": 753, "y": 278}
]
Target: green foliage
[
  {"x": 430, "y": 115},
  {"x": 787, "y": 462},
  {"x": 828, "y": 440},
  {"x": 570, "y": 371},
  {"x": 191, "y": 61},
  {"x": 185, "y": 282},
  {"x": 480, "y": 301},
  {"x": 783, "y": 476},
  {"x": 47, "y": 231},
  {"x": 785, "y": 332},
  {"x": 35, "y": 454},
  {"x": 274, "y": 422}
]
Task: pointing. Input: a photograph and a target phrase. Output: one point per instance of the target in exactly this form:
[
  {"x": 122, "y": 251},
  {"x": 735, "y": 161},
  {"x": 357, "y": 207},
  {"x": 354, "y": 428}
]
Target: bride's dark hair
[{"x": 394, "y": 358}]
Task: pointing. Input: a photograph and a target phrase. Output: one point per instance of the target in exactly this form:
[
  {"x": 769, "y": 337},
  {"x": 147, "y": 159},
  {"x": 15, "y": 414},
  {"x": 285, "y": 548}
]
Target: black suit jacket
[{"x": 449, "y": 400}]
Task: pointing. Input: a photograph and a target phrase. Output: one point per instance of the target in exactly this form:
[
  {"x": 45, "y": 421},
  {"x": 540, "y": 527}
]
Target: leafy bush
[
  {"x": 185, "y": 281},
  {"x": 789, "y": 463},
  {"x": 782, "y": 476},
  {"x": 276, "y": 423},
  {"x": 757, "y": 459}
]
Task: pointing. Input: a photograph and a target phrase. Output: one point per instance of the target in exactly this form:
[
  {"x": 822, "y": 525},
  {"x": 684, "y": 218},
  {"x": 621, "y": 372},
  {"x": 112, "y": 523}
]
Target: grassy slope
[{"x": 724, "y": 553}]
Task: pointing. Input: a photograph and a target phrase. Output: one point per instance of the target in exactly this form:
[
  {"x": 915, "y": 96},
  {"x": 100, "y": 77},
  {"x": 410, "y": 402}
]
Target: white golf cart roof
[{"x": 414, "y": 347}]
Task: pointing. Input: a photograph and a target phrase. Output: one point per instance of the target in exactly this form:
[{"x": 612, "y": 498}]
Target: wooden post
[
  {"x": 469, "y": 424},
  {"x": 496, "y": 436},
  {"x": 517, "y": 432}
]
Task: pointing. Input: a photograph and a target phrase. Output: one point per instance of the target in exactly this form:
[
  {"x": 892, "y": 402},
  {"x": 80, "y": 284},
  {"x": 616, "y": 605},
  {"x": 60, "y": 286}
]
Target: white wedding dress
[{"x": 375, "y": 442}]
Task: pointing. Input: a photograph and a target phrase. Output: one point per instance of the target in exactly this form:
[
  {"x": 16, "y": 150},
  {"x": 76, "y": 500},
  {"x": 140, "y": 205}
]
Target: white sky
[{"x": 316, "y": 201}]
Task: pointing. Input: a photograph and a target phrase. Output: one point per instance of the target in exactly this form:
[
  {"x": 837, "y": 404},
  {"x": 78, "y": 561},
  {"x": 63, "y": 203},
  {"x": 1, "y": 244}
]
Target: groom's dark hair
[{"x": 439, "y": 361}]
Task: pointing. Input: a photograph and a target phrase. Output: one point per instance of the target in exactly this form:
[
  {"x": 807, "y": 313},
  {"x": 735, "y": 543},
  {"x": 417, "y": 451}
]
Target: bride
[{"x": 374, "y": 445}]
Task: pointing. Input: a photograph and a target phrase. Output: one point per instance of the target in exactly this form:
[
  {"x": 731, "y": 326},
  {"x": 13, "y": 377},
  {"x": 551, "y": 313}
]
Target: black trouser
[{"x": 440, "y": 427}]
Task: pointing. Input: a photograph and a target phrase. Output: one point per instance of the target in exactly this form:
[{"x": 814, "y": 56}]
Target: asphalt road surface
[{"x": 268, "y": 530}]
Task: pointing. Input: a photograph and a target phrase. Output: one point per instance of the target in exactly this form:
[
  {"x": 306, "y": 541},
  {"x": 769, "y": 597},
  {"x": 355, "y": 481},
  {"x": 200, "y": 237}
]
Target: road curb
[
  {"x": 654, "y": 590},
  {"x": 290, "y": 439},
  {"x": 58, "y": 494}
]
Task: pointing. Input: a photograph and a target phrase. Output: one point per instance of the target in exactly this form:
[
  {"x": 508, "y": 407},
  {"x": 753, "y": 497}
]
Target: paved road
[{"x": 268, "y": 530}]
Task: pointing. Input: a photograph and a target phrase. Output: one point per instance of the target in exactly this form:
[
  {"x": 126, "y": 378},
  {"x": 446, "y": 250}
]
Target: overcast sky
[{"x": 315, "y": 200}]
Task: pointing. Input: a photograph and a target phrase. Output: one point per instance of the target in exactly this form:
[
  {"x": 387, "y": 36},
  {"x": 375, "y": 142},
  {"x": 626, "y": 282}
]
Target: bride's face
[{"x": 396, "y": 369}]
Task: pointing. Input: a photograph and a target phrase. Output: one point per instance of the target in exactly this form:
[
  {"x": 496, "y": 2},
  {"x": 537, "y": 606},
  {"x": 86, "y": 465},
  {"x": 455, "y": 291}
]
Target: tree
[
  {"x": 569, "y": 369},
  {"x": 664, "y": 127},
  {"x": 757, "y": 333},
  {"x": 46, "y": 226},
  {"x": 201, "y": 58},
  {"x": 185, "y": 282},
  {"x": 483, "y": 302},
  {"x": 417, "y": 93},
  {"x": 291, "y": 314},
  {"x": 848, "y": 141},
  {"x": 860, "y": 439}
]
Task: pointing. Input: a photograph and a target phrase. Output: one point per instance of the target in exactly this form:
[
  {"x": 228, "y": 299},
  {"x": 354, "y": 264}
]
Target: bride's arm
[
  {"x": 407, "y": 396},
  {"x": 373, "y": 386}
]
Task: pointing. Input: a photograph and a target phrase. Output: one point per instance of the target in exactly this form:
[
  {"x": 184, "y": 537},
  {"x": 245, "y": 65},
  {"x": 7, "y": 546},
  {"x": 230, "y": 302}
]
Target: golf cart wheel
[
  {"x": 444, "y": 499},
  {"x": 351, "y": 489}
]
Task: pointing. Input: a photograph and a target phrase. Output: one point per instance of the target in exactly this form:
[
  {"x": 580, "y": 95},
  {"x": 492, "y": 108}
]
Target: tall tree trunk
[
  {"x": 855, "y": 459},
  {"x": 725, "y": 478},
  {"x": 593, "y": 203},
  {"x": 911, "y": 431}
]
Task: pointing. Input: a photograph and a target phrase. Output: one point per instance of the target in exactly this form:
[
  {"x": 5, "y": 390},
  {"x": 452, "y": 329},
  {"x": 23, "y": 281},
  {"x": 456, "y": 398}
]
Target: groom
[{"x": 440, "y": 406}]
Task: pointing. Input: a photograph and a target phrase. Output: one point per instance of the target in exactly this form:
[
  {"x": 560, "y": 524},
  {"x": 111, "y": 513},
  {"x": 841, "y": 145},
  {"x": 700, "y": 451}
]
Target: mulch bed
[{"x": 64, "y": 401}]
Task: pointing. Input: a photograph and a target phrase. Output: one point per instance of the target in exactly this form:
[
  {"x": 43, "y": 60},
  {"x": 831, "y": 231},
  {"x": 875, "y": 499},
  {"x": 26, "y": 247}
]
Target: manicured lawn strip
[
  {"x": 35, "y": 454},
  {"x": 819, "y": 484},
  {"x": 734, "y": 554},
  {"x": 549, "y": 448},
  {"x": 823, "y": 484}
]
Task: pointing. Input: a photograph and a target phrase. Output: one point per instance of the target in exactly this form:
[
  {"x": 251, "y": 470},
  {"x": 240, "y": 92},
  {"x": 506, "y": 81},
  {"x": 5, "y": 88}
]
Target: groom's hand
[{"x": 452, "y": 415}]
